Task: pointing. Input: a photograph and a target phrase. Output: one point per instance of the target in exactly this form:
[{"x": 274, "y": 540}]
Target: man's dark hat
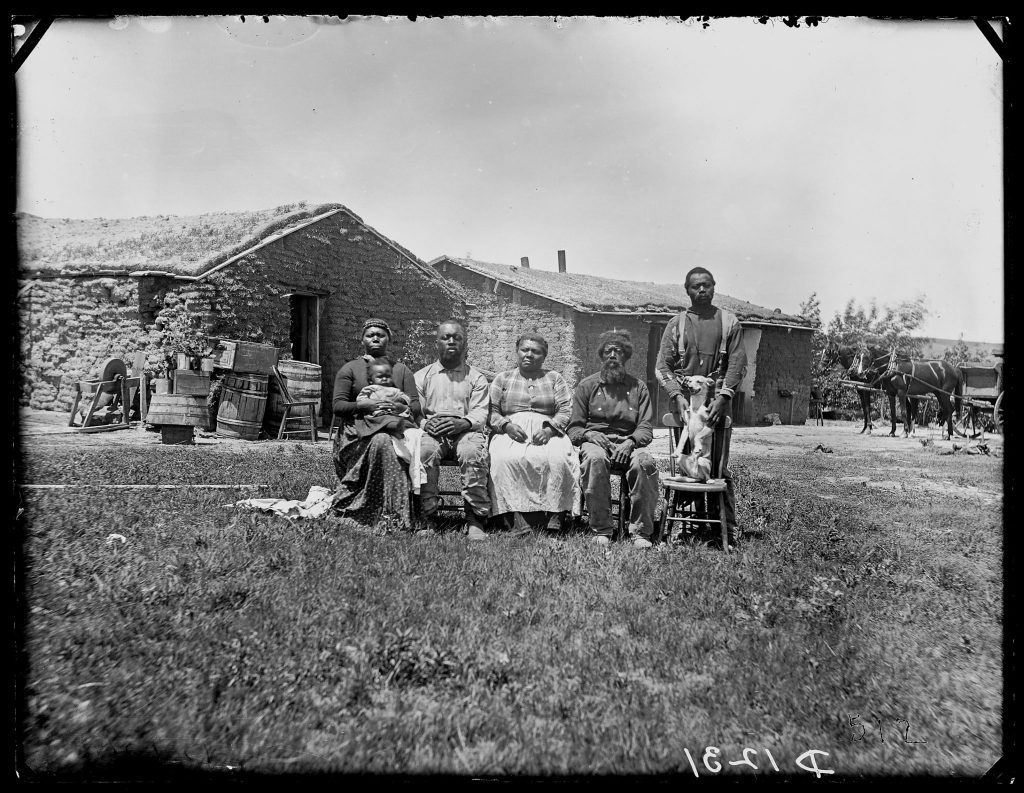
[{"x": 619, "y": 337}]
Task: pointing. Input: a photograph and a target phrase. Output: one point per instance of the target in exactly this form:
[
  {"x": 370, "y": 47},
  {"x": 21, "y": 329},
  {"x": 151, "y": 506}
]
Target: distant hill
[{"x": 932, "y": 349}]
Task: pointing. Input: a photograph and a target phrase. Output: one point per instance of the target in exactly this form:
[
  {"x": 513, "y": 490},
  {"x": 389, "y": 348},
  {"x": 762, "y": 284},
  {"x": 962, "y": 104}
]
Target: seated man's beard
[{"x": 613, "y": 372}]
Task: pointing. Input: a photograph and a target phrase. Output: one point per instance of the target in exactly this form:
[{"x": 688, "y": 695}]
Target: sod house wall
[
  {"x": 70, "y": 325},
  {"x": 783, "y": 363},
  {"x": 498, "y": 314}
]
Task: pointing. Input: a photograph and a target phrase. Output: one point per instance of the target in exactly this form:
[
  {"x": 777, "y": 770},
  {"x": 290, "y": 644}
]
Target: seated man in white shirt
[{"x": 454, "y": 398}]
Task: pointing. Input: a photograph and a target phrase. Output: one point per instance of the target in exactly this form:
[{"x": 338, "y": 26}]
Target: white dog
[{"x": 697, "y": 464}]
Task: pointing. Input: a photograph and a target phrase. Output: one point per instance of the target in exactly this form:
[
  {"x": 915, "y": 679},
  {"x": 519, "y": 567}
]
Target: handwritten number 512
[{"x": 855, "y": 723}]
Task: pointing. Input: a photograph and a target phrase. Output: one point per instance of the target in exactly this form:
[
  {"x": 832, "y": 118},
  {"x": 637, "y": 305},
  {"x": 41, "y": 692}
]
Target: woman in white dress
[{"x": 534, "y": 466}]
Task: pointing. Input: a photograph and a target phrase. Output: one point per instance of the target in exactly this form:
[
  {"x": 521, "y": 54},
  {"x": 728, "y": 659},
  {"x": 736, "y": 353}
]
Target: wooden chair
[
  {"x": 686, "y": 501},
  {"x": 308, "y": 419},
  {"x": 449, "y": 500},
  {"x": 620, "y": 505}
]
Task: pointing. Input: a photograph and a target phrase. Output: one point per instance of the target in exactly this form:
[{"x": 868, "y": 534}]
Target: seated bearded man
[{"x": 612, "y": 423}]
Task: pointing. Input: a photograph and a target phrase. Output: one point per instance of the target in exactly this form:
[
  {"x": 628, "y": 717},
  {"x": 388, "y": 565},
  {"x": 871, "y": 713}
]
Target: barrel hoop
[{"x": 237, "y": 381}]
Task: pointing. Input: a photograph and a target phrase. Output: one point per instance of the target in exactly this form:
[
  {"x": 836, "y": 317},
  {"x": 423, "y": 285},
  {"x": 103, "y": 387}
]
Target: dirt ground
[
  {"x": 924, "y": 463},
  {"x": 962, "y": 468},
  {"x": 48, "y": 428}
]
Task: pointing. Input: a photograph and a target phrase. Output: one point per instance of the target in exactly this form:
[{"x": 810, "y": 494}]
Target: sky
[{"x": 857, "y": 159}]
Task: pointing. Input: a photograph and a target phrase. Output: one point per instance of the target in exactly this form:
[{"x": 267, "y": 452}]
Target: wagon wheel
[
  {"x": 969, "y": 422},
  {"x": 997, "y": 413}
]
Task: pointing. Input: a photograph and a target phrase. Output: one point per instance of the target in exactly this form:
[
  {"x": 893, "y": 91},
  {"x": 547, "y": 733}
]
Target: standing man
[
  {"x": 611, "y": 423},
  {"x": 454, "y": 398},
  {"x": 706, "y": 340}
]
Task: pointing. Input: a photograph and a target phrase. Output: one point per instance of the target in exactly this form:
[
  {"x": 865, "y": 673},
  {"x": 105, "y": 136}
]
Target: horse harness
[{"x": 891, "y": 369}]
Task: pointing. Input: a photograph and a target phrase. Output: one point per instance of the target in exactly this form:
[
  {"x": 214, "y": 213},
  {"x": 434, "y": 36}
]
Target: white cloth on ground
[
  {"x": 526, "y": 477},
  {"x": 316, "y": 504}
]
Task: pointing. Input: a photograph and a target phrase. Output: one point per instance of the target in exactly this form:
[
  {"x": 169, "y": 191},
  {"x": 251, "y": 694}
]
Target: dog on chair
[{"x": 697, "y": 464}]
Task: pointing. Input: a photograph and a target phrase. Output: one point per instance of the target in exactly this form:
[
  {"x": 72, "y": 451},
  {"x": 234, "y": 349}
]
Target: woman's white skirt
[{"x": 526, "y": 477}]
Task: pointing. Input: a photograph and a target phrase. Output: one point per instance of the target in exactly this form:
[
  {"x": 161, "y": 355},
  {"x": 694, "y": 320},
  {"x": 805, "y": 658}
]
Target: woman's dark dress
[{"x": 373, "y": 482}]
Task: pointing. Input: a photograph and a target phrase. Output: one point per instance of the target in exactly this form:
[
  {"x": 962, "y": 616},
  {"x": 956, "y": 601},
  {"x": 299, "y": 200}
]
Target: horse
[
  {"x": 846, "y": 357},
  {"x": 904, "y": 379}
]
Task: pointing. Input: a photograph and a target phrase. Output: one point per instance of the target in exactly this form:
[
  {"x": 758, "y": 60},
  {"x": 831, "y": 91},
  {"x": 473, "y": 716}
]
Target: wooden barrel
[
  {"x": 184, "y": 410},
  {"x": 243, "y": 403},
  {"x": 303, "y": 383}
]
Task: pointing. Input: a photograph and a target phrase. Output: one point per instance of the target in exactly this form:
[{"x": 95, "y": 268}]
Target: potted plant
[{"x": 181, "y": 340}]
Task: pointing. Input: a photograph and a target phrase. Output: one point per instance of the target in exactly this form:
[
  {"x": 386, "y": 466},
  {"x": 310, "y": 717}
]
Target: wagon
[{"x": 983, "y": 399}]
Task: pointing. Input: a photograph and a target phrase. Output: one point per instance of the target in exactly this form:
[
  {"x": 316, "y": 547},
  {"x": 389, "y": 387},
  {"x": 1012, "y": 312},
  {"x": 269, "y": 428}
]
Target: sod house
[
  {"x": 299, "y": 277},
  {"x": 571, "y": 310}
]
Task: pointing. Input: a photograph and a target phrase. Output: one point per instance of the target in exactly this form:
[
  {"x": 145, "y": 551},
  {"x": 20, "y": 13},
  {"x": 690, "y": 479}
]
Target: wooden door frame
[
  {"x": 653, "y": 384},
  {"x": 313, "y": 340}
]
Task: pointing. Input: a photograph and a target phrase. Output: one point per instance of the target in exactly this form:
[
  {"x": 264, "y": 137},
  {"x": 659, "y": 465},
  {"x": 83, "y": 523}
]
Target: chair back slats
[
  {"x": 289, "y": 403},
  {"x": 279, "y": 379},
  {"x": 676, "y": 429},
  {"x": 690, "y": 503}
]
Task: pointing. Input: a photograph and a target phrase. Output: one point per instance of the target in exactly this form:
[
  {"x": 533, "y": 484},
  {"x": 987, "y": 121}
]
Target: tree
[
  {"x": 811, "y": 309},
  {"x": 890, "y": 327},
  {"x": 887, "y": 328},
  {"x": 960, "y": 353}
]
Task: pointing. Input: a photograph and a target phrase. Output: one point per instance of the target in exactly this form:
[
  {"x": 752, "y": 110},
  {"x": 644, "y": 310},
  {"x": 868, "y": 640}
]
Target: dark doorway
[
  {"x": 659, "y": 398},
  {"x": 305, "y": 332}
]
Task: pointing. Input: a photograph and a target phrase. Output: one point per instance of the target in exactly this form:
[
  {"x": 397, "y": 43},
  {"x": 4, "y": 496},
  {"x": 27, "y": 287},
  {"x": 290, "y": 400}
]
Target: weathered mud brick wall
[
  {"x": 783, "y": 363},
  {"x": 68, "y": 327},
  {"x": 71, "y": 325},
  {"x": 498, "y": 319},
  {"x": 358, "y": 275}
]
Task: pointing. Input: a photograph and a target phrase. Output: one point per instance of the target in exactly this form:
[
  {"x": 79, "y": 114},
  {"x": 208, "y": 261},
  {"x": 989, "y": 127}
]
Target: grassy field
[{"x": 220, "y": 641}]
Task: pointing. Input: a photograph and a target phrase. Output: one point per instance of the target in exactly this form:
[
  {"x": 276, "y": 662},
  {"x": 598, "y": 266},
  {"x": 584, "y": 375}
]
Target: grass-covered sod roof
[
  {"x": 178, "y": 244},
  {"x": 591, "y": 293}
]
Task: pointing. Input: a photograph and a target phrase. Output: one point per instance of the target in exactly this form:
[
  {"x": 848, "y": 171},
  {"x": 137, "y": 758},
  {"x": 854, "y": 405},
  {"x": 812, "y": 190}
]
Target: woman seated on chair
[
  {"x": 534, "y": 474},
  {"x": 373, "y": 481}
]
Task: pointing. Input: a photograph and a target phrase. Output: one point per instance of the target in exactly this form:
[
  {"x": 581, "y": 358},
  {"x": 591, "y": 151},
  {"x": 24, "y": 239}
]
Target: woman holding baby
[
  {"x": 375, "y": 399},
  {"x": 534, "y": 477}
]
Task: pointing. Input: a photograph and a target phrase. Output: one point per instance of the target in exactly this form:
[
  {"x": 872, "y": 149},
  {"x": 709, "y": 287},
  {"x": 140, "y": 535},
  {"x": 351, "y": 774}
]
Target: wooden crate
[
  {"x": 181, "y": 410},
  {"x": 188, "y": 382},
  {"x": 245, "y": 356}
]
